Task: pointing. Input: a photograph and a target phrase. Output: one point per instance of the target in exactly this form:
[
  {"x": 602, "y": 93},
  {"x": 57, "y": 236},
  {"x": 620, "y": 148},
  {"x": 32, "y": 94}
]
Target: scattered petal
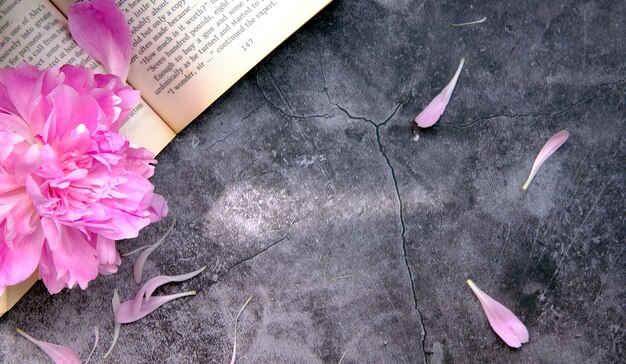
[
  {"x": 141, "y": 259},
  {"x": 59, "y": 354},
  {"x": 551, "y": 146},
  {"x": 343, "y": 356},
  {"x": 501, "y": 319},
  {"x": 135, "y": 251},
  {"x": 116, "y": 331},
  {"x": 431, "y": 114},
  {"x": 126, "y": 315},
  {"x": 234, "y": 357},
  {"x": 95, "y": 344},
  {"x": 470, "y": 23},
  {"x": 145, "y": 292},
  {"x": 100, "y": 29}
]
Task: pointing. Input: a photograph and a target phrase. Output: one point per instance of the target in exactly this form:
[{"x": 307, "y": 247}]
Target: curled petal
[
  {"x": 125, "y": 312},
  {"x": 141, "y": 259},
  {"x": 502, "y": 320},
  {"x": 153, "y": 283},
  {"x": 59, "y": 354},
  {"x": 100, "y": 29},
  {"x": 551, "y": 146},
  {"x": 95, "y": 344},
  {"x": 116, "y": 331},
  {"x": 233, "y": 358},
  {"x": 430, "y": 115}
]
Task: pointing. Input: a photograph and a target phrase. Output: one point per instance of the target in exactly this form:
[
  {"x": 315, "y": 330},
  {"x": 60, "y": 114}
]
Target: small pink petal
[
  {"x": 234, "y": 357},
  {"x": 126, "y": 315},
  {"x": 116, "y": 331},
  {"x": 153, "y": 283},
  {"x": 100, "y": 29},
  {"x": 431, "y": 114},
  {"x": 141, "y": 259},
  {"x": 551, "y": 146},
  {"x": 501, "y": 319},
  {"x": 95, "y": 344},
  {"x": 59, "y": 354}
]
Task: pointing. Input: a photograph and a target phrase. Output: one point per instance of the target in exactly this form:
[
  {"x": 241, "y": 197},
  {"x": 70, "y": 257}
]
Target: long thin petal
[
  {"x": 100, "y": 29},
  {"x": 551, "y": 146},
  {"x": 233, "y": 359},
  {"x": 59, "y": 354},
  {"x": 502, "y": 320},
  {"x": 141, "y": 259},
  {"x": 116, "y": 331},
  {"x": 95, "y": 344},
  {"x": 145, "y": 292},
  {"x": 125, "y": 313},
  {"x": 431, "y": 114}
]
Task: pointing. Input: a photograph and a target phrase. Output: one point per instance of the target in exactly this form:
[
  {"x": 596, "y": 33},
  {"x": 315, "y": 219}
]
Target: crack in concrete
[
  {"x": 423, "y": 327},
  {"x": 251, "y": 257},
  {"x": 593, "y": 95},
  {"x": 381, "y": 148}
]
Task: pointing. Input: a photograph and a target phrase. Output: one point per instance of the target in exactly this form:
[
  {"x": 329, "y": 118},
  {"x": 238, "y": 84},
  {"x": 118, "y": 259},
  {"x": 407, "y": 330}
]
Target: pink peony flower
[{"x": 70, "y": 185}]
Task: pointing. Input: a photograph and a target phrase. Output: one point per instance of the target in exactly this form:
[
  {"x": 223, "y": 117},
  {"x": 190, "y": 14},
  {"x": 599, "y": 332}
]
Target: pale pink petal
[
  {"x": 59, "y": 354},
  {"x": 501, "y": 319},
  {"x": 551, "y": 146},
  {"x": 234, "y": 356},
  {"x": 145, "y": 292},
  {"x": 95, "y": 344},
  {"x": 141, "y": 259},
  {"x": 430, "y": 115},
  {"x": 20, "y": 261},
  {"x": 100, "y": 29},
  {"x": 125, "y": 313},
  {"x": 116, "y": 331}
]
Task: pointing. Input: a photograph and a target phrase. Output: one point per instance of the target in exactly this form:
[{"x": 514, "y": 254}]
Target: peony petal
[
  {"x": 430, "y": 115},
  {"x": 141, "y": 259},
  {"x": 59, "y": 354},
  {"x": 153, "y": 283},
  {"x": 95, "y": 344},
  {"x": 18, "y": 262},
  {"x": 551, "y": 146},
  {"x": 501, "y": 319},
  {"x": 116, "y": 331},
  {"x": 125, "y": 313},
  {"x": 233, "y": 359},
  {"x": 100, "y": 29}
]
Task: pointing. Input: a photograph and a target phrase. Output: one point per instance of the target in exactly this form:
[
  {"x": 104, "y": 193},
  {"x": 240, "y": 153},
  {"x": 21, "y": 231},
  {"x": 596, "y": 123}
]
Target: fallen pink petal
[
  {"x": 233, "y": 359},
  {"x": 125, "y": 312},
  {"x": 115, "y": 302},
  {"x": 143, "y": 256},
  {"x": 551, "y": 146},
  {"x": 59, "y": 354},
  {"x": 145, "y": 292},
  {"x": 100, "y": 29},
  {"x": 482, "y": 20},
  {"x": 431, "y": 114},
  {"x": 502, "y": 320},
  {"x": 95, "y": 344}
]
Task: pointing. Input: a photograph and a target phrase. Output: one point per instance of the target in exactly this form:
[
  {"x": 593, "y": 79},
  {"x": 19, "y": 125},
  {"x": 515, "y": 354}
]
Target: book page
[
  {"x": 187, "y": 53},
  {"x": 35, "y": 32}
]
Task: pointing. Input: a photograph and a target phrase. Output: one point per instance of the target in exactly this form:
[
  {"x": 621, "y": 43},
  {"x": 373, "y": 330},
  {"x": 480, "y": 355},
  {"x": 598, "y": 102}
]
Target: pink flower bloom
[
  {"x": 551, "y": 146},
  {"x": 501, "y": 319},
  {"x": 59, "y": 354},
  {"x": 70, "y": 185},
  {"x": 433, "y": 111}
]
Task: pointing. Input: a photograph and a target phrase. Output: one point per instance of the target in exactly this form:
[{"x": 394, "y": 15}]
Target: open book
[{"x": 186, "y": 53}]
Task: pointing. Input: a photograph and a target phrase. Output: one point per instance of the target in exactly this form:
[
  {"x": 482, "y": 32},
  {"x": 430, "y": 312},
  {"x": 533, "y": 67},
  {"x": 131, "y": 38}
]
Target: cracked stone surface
[{"x": 304, "y": 186}]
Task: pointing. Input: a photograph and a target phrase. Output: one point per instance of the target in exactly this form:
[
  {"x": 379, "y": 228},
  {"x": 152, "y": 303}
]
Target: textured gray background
[{"x": 303, "y": 186}]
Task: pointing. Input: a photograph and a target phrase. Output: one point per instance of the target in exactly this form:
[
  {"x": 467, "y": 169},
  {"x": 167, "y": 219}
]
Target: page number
[{"x": 247, "y": 45}]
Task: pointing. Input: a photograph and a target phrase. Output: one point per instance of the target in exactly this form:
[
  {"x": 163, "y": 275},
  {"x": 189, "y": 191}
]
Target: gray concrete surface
[{"x": 303, "y": 186}]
